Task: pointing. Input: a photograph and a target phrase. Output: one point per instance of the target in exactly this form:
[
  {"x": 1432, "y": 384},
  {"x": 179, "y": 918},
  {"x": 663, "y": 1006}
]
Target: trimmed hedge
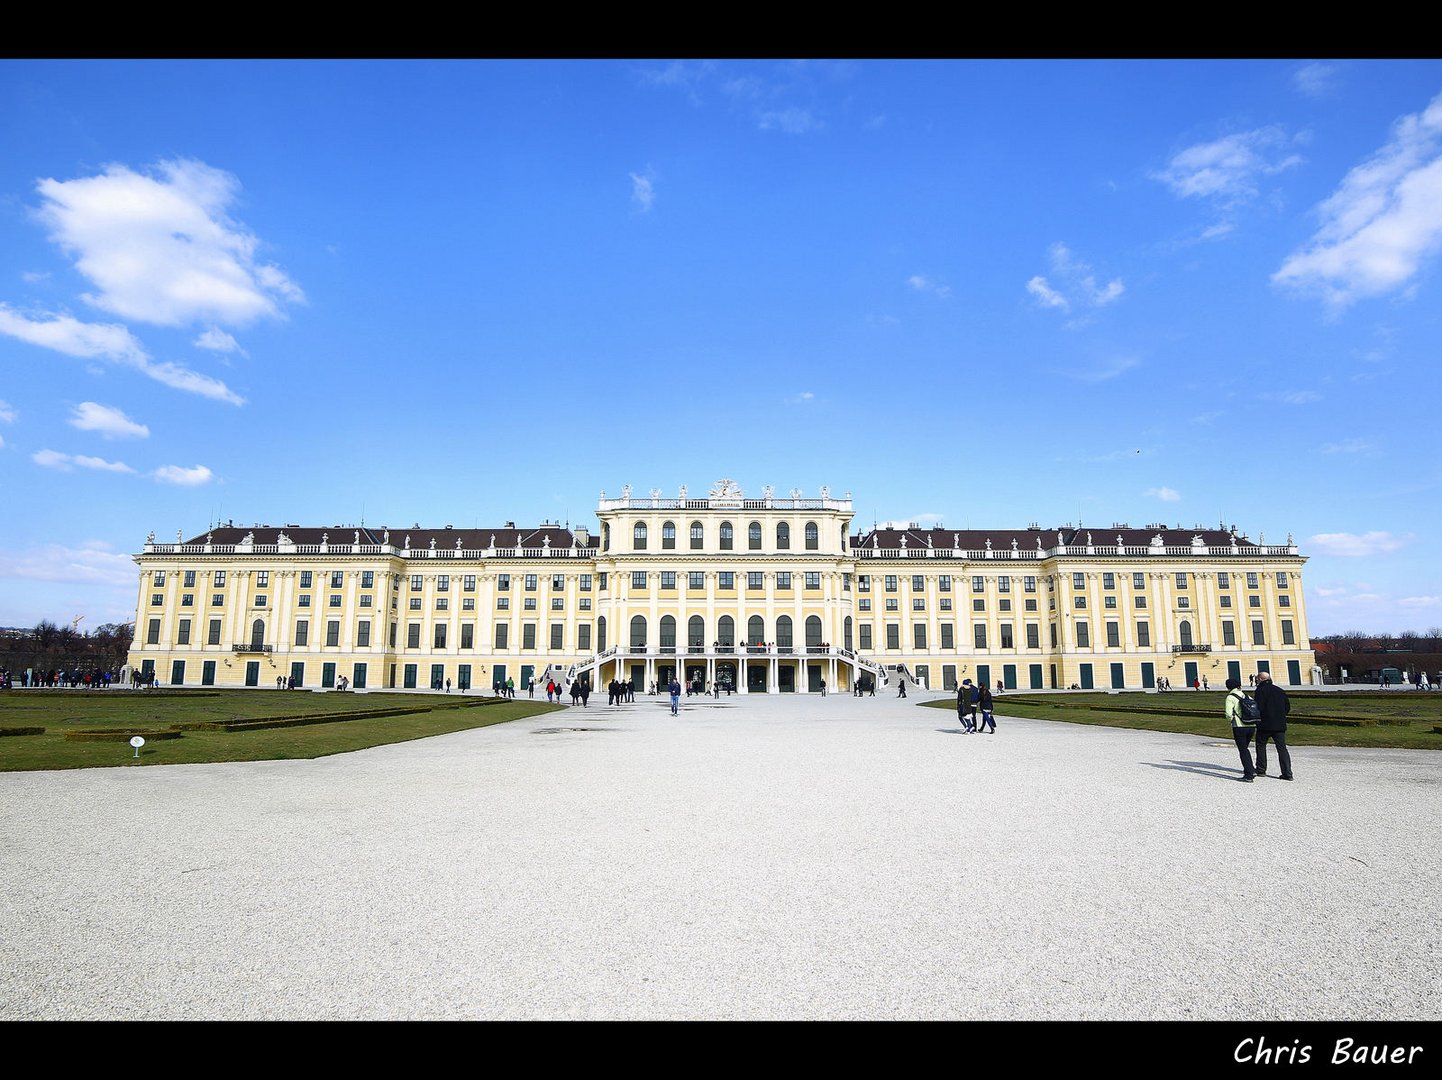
[
  {"x": 119, "y": 736},
  {"x": 21, "y": 731}
]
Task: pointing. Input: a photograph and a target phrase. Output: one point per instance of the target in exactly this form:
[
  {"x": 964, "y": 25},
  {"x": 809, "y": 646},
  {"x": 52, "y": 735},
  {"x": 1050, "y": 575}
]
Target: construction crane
[{"x": 75, "y": 622}]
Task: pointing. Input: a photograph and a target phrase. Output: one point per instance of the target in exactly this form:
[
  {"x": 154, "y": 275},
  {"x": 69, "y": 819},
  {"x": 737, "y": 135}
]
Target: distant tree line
[
  {"x": 1365, "y": 655},
  {"x": 48, "y": 646}
]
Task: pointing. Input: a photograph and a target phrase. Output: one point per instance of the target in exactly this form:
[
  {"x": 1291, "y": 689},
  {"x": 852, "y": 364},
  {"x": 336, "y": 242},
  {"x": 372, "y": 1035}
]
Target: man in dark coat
[{"x": 1274, "y": 704}]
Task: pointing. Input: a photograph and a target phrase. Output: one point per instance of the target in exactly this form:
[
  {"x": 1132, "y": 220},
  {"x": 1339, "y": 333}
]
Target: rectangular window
[
  {"x": 152, "y": 632},
  {"x": 440, "y": 635},
  {"x": 783, "y": 579},
  {"x": 585, "y": 582},
  {"x": 335, "y": 599},
  {"x": 217, "y": 599},
  {"x": 530, "y": 583},
  {"x": 978, "y": 635},
  {"x": 302, "y": 632},
  {"x": 528, "y": 636},
  {"x": 918, "y": 603},
  {"x": 918, "y": 636},
  {"x": 393, "y": 635},
  {"x": 978, "y": 605},
  {"x": 638, "y": 579},
  {"x": 363, "y": 634},
  {"x": 413, "y": 635},
  {"x": 260, "y": 600},
  {"x": 189, "y": 579},
  {"x": 558, "y": 582},
  {"x": 1079, "y": 602},
  {"x": 978, "y": 583},
  {"x": 1141, "y": 601},
  {"x": 503, "y": 603},
  {"x": 583, "y": 637},
  {"x": 1006, "y": 638},
  {"x": 443, "y": 583},
  {"x": 668, "y": 579},
  {"x": 948, "y": 636},
  {"x": 558, "y": 603},
  {"x": 1254, "y": 601},
  {"x": 503, "y": 583},
  {"x": 696, "y": 579},
  {"x": 864, "y": 604},
  {"x": 557, "y": 629},
  {"x": 1078, "y": 581},
  {"x": 156, "y": 599},
  {"x": 1144, "y": 635},
  {"x": 946, "y": 603},
  {"x": 602, "y": 584},
  {"x": 305, "y": 579},
  {"x": 863, "y": 582},
  {"x": 158, "y": 578},
  {"x": 417, "y": 582},
  {"x": 1288, "y": 636},
  {"x": 365, "y": 600},
  {"x": 1114, "y": 635},
  {"x": 1028, "y": 584},
  {"x": 585, "y": 603},
  {"x": 1109, "y": 580},
  {"x": 468, "y": 603},
  {"x": 1181, "y": 579},
  {"x": 1139, "y": 581},
  {"x": 415, "y": 603},
  {"x": 1284, "y": 600},
  {"x": 337, "y": 579},
  {"x": 219, "y": 578},
  {"x": 726, "y": 579},
  {"x": 1258, "y": 638},
  {"x": 813, "y": 579},
  {"x": 1281, "y": 579},
  {"x": 530, "y": 603},
  {"x": 468, "y": 635},
  {"x": 893, "y": 604},
  {"x": 1251, "y": 581},
  {"x": 332, "y": 633},
  {"x": 368, "y": 579},
  {"x": 1109, "y": 602},
  {"x": 893, "y": 636},
  {"x": 1229, "y": 633},
  {"x": 182, "y": 637},
  {"x": 1031, "y": 605},
  {"x": 1003, "y": 583},
  {"x": 754, "y": 579},
  {"x": 865, "y": 640},
  {"x": 1224, "y": 601},
  {"x": 1083, "y": 636},
  {"x": 1184, "y": 602},
  {"x": 890, "y": 582},
  {"x": 1033, "y": 636},
  {"x": 943, "y": 583},
  {"x": 1224, "y": 580},
  {"x": 918, "y": 583},
  {"x": 502, "y": 631},
  {"x": 262, "y": 579},
  {"x": 1053, "y": 635}
]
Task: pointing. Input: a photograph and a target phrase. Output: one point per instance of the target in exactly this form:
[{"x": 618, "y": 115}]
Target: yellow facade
[{"x": 764, "y": 594}]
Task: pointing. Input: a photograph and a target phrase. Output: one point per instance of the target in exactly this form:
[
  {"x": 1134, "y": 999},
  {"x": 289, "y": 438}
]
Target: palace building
[{"x": 761, "y": 595}]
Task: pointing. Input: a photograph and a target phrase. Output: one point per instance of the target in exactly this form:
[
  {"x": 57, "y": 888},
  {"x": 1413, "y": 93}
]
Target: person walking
[
  {"x": 1274, "y": 705},
  {"x": 963, "y": 706},
  {"x": 1243, "y": 727},
  {"x": 983, "y": 702},
  {"x": 675, "y": 691}
]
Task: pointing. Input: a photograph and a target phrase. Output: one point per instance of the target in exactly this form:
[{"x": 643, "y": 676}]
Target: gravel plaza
[{"x": 759, "y": 857}]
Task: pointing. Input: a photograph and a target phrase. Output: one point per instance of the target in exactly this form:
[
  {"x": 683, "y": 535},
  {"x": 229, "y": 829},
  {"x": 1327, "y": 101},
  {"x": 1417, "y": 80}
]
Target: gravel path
[{"x": 771, "y": 857}]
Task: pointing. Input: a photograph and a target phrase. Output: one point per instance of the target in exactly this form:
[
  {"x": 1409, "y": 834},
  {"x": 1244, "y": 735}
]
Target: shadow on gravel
[{"x": 1201, "y": 768}]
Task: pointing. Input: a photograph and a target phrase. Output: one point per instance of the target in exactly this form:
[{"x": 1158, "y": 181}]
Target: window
[
  {"x": 602, "y": 583},
  {"x": 219, "y": 578},
  {"x": 260, "y": 600},
  {"x": 783, "y": 536},
  {"x": 417, "y": 583},
  {"x": 1229, "y": 633},
  {"x": 363, "y": 634},
  {"x": 893, "y": 636},
  {"x": 440, "y": 635},
  {"x": 783, "y": 579},
  {"x": 217, "y": 599},
  {"x": 813, "y": 579},
  {"x": 558, "y": 582},
  {"x": 948, "y": 636},
  {"x": 530, "y": 583},
  {"x": 726, "y": 536},
  {"x": 726, "y": 579},
  {"x": 415, "y": 603},
  {"x": 502, "y": 632},
  {"x": 918, "y": 603},
  {"x": 1083, "y": 636},
  {"x": 1144, "y": 635},
  {"x": 365, "y": 600},
  {"x": 1139, "y": 581},
  {"x": 182, "y": 637},
  {"x": 918, "y": 635},
  {"x": 558, "y": 629},
  {"x": 638, "y": 535},
  {"x": 1258, "y": 638},
  {"x": 1109, "y": 581},
  {"x": 1288, "y": 636},
  {"x": 503, "y": 582},
  {"x": 262, "y": 579},
  {"x": 585, "y": 603},
  {"x": 305, "y": 579},
  {"x": 1281, "y": 579},
  {"x": 813, "y": 537},
  {"x": 865, "y": 638},
  {"x": 152, "y": 633},
  {"x": 1079, "y": 602},
  {"x": 583, "y": 637},
  {"x": 978, "y": 635},
  {"x": 1114, "y": 635},
  {"x": 1007, "y": 641},
  {"x": 1141, "y": 601},
  {"x": 158, "y": 579},
  {"x": 503, "y": 603},
  {"x": 668, "y": 539},
  {"x": 335, "y": 599},
  {"x": 189, "y": 579},
  {"x": 468, "y": 635},
  {"x": 890, "y": 582},
  {"x": 214, "y": 635},
  {"x": 754, "y": 579},
  {"x": 1109, "y": 602},
  {"x": 864, "y": 604},
  {"x": 443, "y": 583},
  {"x": 585, "y": 582},
  {"x": 1053, "y": 635},
  {"x": 1284, "y": 600},
  {"x": 943, "y": 583},
  {"x": 1003, "y": 583},
  {"x": 946, "y": 603},
  {"x": 1028, "y": 584},
  {"x": 530, "y": 603},
  {"x": 528, "y": 636},
  {"x": 1003, "y": 605},
  {"x": 156, "y": 599},
  {"x": 468, "y": 603},
  {"x": 1078, "y": 581},
  {"x": 893, "y": 604},
  {"x": 1184, "y": 601},
  {"x": 638, "y": 579},
  {"x": 978, "y": 583},
  {"x": 1252, "y": 581},
  {"x": 337, "y": 579},
  {"x": 558, "y": 603},
  {"x": 393, "y": 635},
  {"x": 863, "y": 582},
  {"x": 1031, "y": 605},
  {"x": 668, "y": 579},
  {"x": 753, "y": 536},
  {"x": 978, "y": 605},
  {"x": 332, "y": 633},
  {"x": 1224, "y": 601},
  {"x": 696, "y": 579},
  {"x": 413, "y": 635},
  {"x": 1181, "y": 579},
  {"x": 698, "y": 536},
  {"x": 918, "y": 583},
  {"x": 368, "y": 579},
  {"x": 1224, "y": 580},
  {"x": 1033, "y": 636},
  {"x": 1254, "y": 601}
]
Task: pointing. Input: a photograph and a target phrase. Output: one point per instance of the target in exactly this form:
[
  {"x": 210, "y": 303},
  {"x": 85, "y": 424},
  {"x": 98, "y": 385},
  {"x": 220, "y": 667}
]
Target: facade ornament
[
  {"x": 795, "y": 493},
  {"x": 249, "y": 538},
  {"x": 1059, "y": 541},
  {"x": 928, "y": 541},
  {"x": 1261, "y": 538},
  {"x": 903, "y": 541},
  {"x": 1013, "y": 543},
  {"x": 458, "y": 543},
  {"x": 325, "y": 538},
  {"x": 625, "y": 491},
  {"x": 408, "y": 542},
  {"x": 546, "y": 541},
  {"x": 768, "y": 492},
  {"x": 386, "y": 537},
  {"x": 1290, "y": 541},
  {"x": 603, "y": 494},
  {"x": 1197, "y": 541},
  {"x": 178, "y": 538},
  {"x": 683, "y": 491},
  {"x": 1119, "y": 543},
  {"x": 1157, "y": 540},
  {"x": 1038, "y": 543},
  {"x": 726, "y": 488},
  {"x": 150, "y": 537},
  {"x": 655, "y": 493},
  {"x": 988, "y": 543},
  {"x": 493, "y": 541},
  {"x": 282, "y": 538},
  {"x": 433, "y": 543},
  {"x": 357, "y": 537},
  {"x": 825, "y": 491}
]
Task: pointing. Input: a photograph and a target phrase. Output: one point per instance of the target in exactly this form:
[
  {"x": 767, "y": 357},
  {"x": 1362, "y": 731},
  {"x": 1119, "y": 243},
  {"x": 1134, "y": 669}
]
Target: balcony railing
[
  {"x": 1191, "y": 648},
  {"x": 252, "y": 647}
]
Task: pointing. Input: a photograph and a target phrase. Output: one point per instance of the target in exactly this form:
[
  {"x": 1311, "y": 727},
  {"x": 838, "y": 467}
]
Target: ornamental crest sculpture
[{"x": 726, "y": 488}]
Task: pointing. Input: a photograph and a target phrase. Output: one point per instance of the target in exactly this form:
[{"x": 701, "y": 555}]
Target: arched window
[
  {"x": 783, "y": 536},
  {"x": 753, "y": 536},
  {"x": 1185, "y": 632},
  {"x": 668, "y": 535},
  {"x": 605, "y": 536},
  {"x": 783, "y": 631},
  {"x": 755, "y": 630},
  {"x": 726, "y": 630},
  {"x": 813, "y": 631},
  {"x": 668, "y": 632},
  {"x": 601, "y": 634},
  {"x": 696, "y": 631},
  {"x": 726, "y": 536},
  {"x": 257, "y": 633},
  {"x": 812, "y": 536},
  {"x": 638, "y": 632},
  {"x": 640, "y": 534},
  {"x": 846, "y": 634},
  {"x": 698, "y": 536}
]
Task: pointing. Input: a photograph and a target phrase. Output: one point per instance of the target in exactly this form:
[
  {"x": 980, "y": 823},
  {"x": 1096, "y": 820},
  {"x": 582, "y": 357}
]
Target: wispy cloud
[
  {"x": 1348, "y": 446},
  {"x": 643, "y": 192},
  {"x": 1355, "y": 544},
  {"x": 1316, "y": 80},
  {"x": 161, "y": 248},
  {"x": 7, "y": 413},
  {"x": 1382, "y": 223},
  {"x": 175, "y": 474},
  {"x": 793, "y": 120},
  {"x": 108, "y": 422},
  {"x": 922, "y": 283},
  {"x": 1228, "y": 170},
  {"x": 1166, "y": 494},
  {"x": 1104, "y": 371},
  {"x": 1075, "y": 284},
  {"x": 802, "y": 398},
  {"x": 54, "y": 459},
  {"x": 109, "y": 342},
  {"x": 92, "y": 563},
  {"x": 34, "y": 277},
  {"x": 217, "y": 340},
  {"x": 1293, "y": 397}
]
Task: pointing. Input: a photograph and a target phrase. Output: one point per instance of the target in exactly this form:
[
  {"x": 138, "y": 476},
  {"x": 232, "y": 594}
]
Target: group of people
[
  {"x": 1265, "y": 714},
  {"x": 55, "y": 679},
  {"x": 1164, "y": 683},
  {"x": 974, "y": 707}
]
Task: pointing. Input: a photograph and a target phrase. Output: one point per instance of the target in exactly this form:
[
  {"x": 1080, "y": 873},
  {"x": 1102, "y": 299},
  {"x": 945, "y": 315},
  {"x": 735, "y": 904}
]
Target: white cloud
[
  {"x": 1045, "y": 295},
  {"x": 922, "y": 283},
  {"x": 1166, "y": 494},
  {"x": 162, "y": 248},
  {"x": 54, "y": 459},
  {"x": 7, "y": 413},
  {"x": 1294, "y": 397},
  {"x": 1353, "y": 544},
  {"x": 802, "y": 398},
  {"x": 792, "y": 120},
  {"x": 34, "y": 277},
  {"x": 110, "y": 423},
  {"x": 1382, "y": 222},
  {"x": 174, "y": 474},
  {"x": 1348, "y": 446},
  {"x": 643, "y": 192},
  {"x": 1109, "y": 369},
  {"x": 1076, "y": 284},
  {"x": 92, "y": 563},
  {"x": 1315, "y": 80},
  {"x": 1421, "y": 601},
  {"x": 112, "y": 342},
  {"x": 217, "y": 340},
  {"x": 1227, "y": 169}
]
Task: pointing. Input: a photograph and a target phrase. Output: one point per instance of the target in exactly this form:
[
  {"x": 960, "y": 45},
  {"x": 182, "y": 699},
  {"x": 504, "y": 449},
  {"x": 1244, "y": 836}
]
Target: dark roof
[
  {"x": 505, "y": 537},
  {"x": 1026, "y": 539}
]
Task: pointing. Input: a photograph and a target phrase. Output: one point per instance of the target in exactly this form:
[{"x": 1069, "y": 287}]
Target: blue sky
[{"x": 975, "y": 294}]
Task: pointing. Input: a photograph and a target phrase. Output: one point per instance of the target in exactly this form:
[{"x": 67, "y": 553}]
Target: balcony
[
  {"x": 1191, "y": 648},
  {"x": 253, "y": 647}
]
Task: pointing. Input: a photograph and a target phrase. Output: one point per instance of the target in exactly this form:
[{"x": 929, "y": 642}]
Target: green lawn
[
  {"x": 184, "y": 726},
  {"x": 1402, "y": 719}
]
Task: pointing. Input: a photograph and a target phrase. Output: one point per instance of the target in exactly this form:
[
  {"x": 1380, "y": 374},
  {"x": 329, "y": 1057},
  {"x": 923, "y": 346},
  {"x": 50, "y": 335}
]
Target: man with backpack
[
  {"x": 1242, "y": 713},
  {"x": 1274, "y": 705}
]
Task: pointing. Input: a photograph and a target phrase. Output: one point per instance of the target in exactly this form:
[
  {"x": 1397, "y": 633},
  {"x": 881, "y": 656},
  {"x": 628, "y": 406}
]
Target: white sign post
[{"x": 137, "y": 742}]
